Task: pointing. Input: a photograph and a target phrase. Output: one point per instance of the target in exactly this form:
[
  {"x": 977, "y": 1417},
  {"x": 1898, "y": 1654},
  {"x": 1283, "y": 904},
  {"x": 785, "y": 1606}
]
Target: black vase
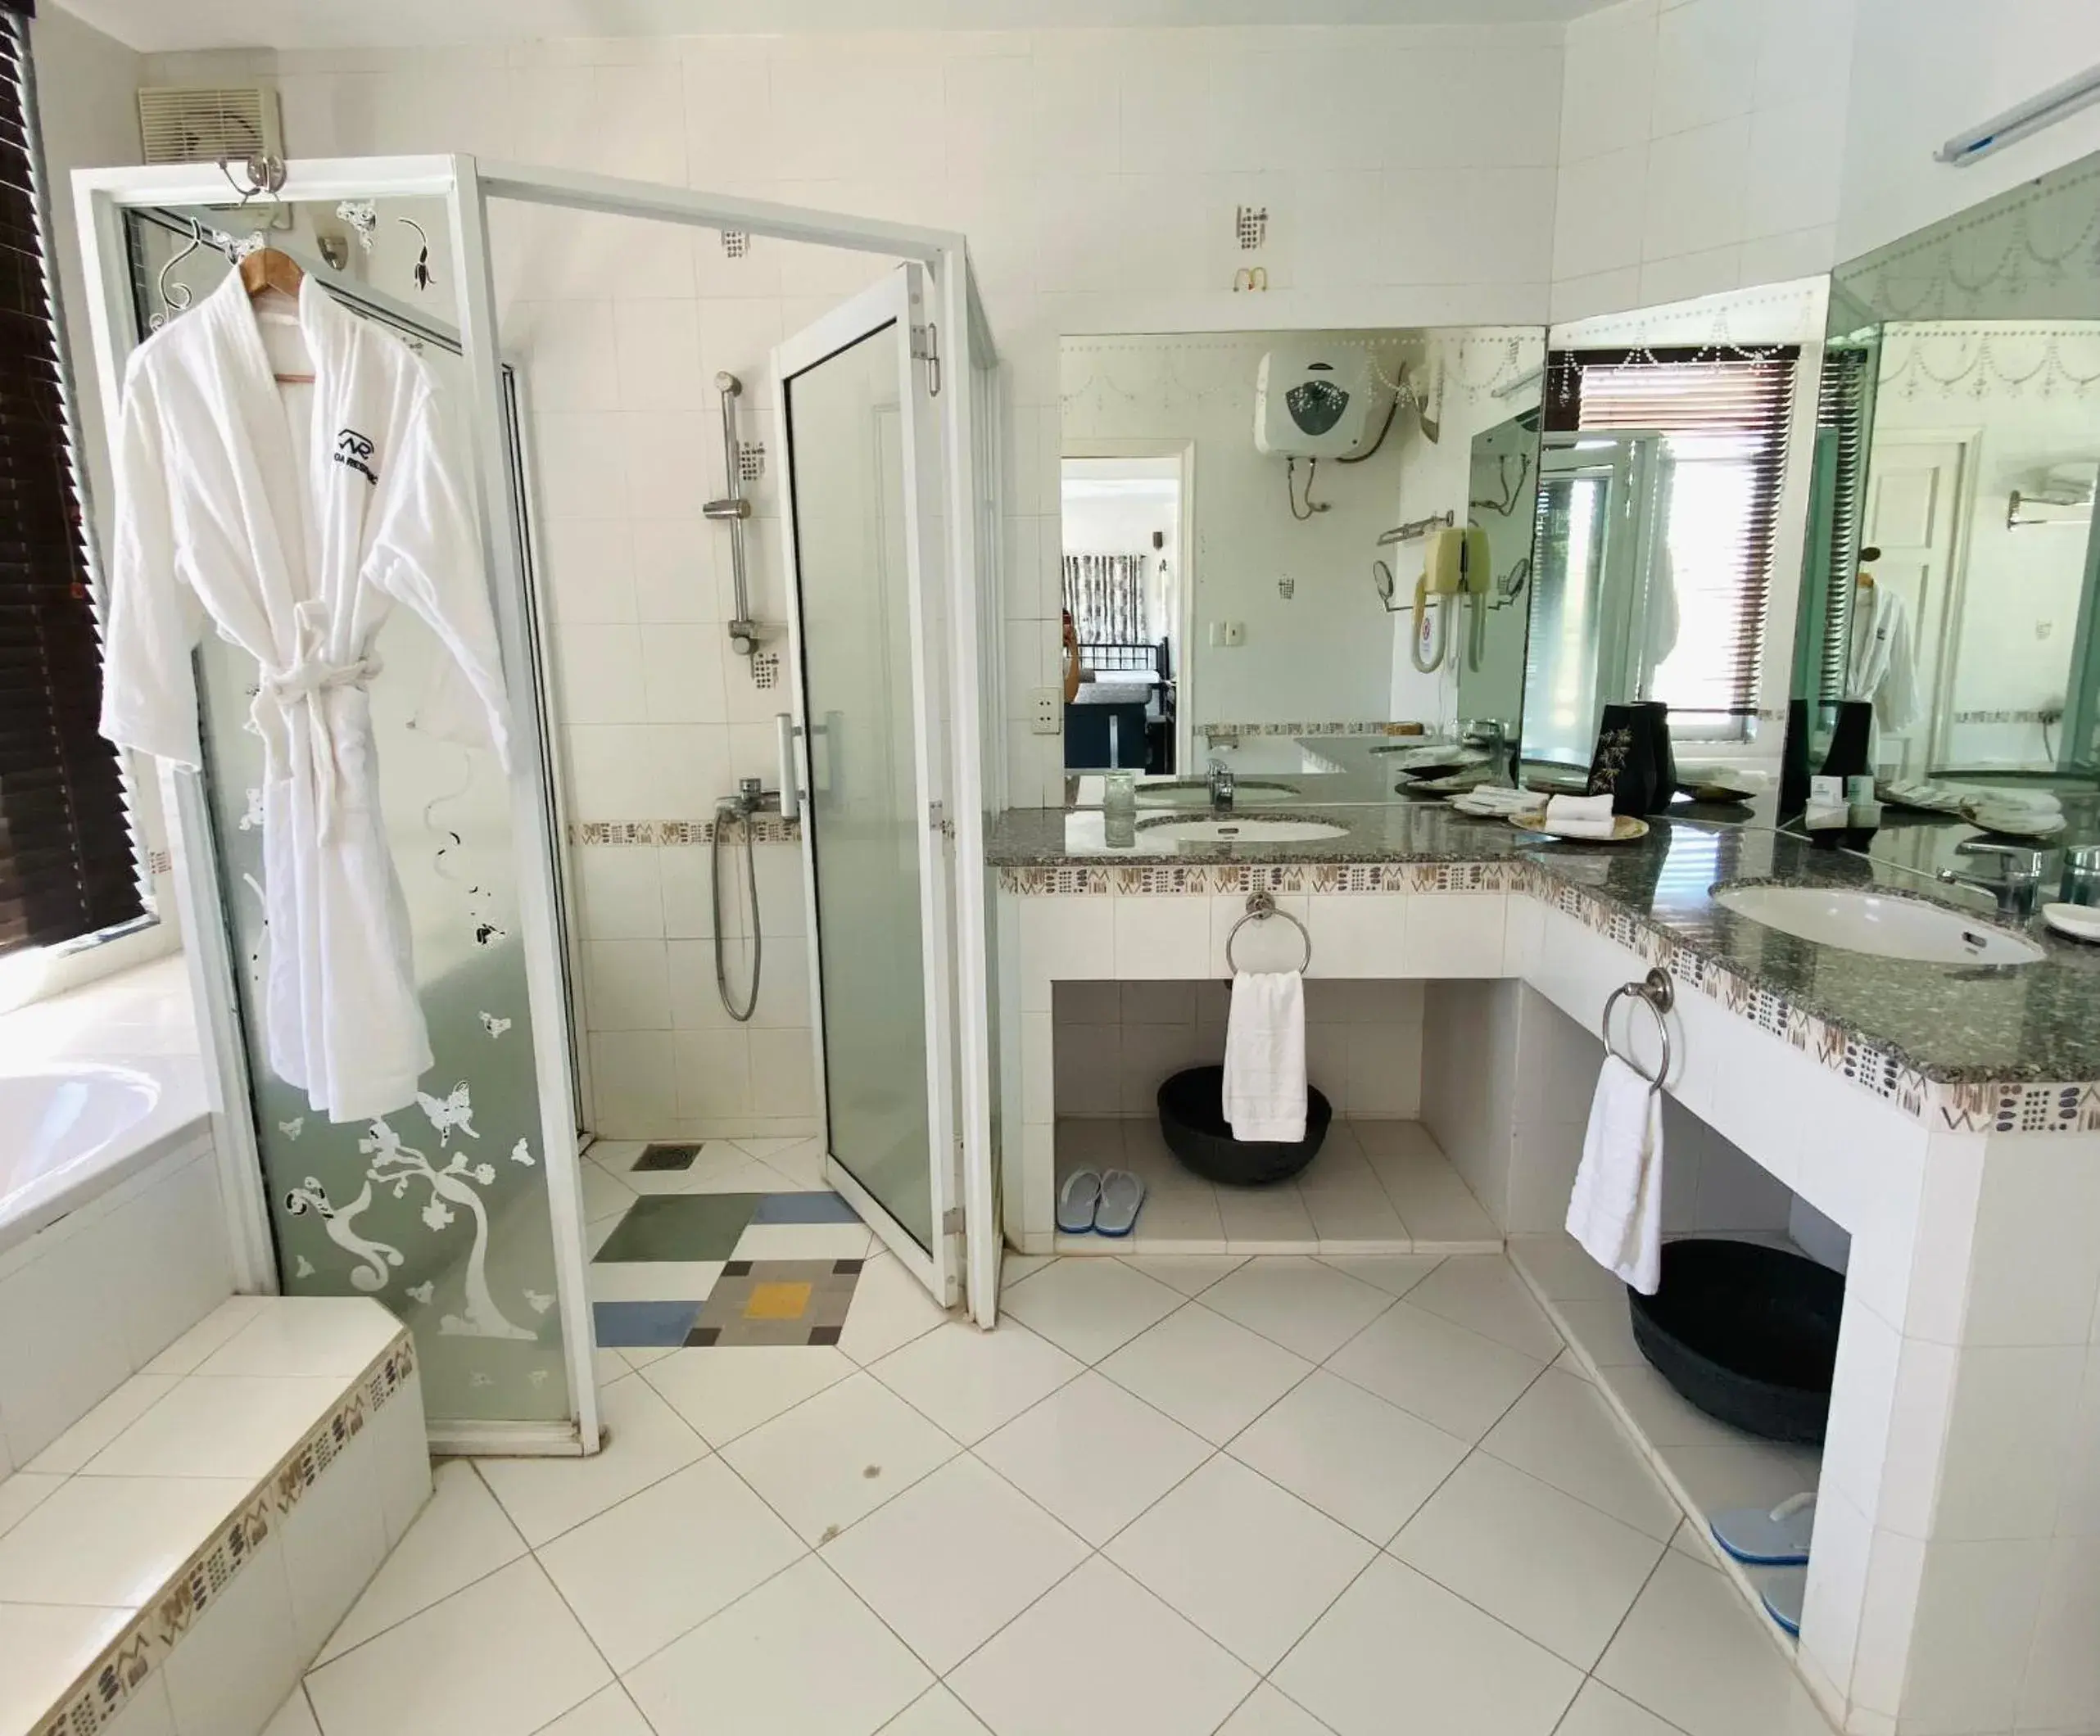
[
  {"x": 1663, "y": 755},
  {"x": 1624, "y": 764},
  {"x": 1851, "y": 741},
  {"x": 1794, "y": 762}
]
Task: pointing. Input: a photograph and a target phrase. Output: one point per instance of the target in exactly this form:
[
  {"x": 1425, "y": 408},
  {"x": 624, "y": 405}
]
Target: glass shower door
[{"x": 861, "y": 535}]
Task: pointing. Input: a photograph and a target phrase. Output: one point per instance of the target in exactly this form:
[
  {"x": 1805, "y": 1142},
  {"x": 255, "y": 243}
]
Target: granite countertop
[{"x": 1950, "y": 1023}]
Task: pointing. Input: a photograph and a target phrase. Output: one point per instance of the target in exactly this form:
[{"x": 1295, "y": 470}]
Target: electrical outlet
[
  {"x": 1047, "y": 717},
  {"x": 1235, "y": 632}
]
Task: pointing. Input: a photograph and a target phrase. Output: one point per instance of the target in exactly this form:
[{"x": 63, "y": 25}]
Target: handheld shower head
[{"x": 728, "y": 383}]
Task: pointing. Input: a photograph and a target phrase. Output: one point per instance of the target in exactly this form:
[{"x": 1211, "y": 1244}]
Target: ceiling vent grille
[{"x": 192, "y": 124}]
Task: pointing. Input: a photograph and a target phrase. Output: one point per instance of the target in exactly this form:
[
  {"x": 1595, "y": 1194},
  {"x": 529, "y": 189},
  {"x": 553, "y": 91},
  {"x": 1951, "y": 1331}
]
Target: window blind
[
  {"x": 1841, "y": 421},
  {"x": 1724, "y": 414},
  {"x": 68, "y": 867}
]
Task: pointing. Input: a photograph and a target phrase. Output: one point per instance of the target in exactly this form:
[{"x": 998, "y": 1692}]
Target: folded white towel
[
  {"x": 1581, "y": 817},
  {"x": 1616, "y": 1211},
  {"x": 2020, "y": 801},
  {"x": 1264, "y": 1087}
]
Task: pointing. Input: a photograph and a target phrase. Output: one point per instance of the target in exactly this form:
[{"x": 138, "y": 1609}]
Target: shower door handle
[{"x": 790, "y": 780}]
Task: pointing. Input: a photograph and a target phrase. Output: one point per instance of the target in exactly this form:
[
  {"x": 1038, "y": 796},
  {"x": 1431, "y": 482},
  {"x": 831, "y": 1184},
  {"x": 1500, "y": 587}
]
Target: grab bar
[
  {"x": 1261, "y": 907},
  {"x": 1657, "y": 993}
]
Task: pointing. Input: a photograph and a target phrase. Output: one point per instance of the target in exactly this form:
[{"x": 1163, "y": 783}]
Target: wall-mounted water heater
[{"x": 1317, "y": 400}]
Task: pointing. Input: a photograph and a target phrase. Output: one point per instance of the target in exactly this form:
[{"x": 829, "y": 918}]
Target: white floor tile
[
  {"x": 1556, "y": 1571},
  {"x": 1207, "y": 1372},
  {"x": 1482, "y": 1293},
  {"x": 609, "y": 1712},
  {"x": 1191, "y": 1274},
  {"x": 801, "y": 1656},
  {"x": 804, "y": 1241},
  {"x": 1265, "y": 1220},
  {"x": 936, "y": 1712},
  {"x": 953, "y": 1559},
  {"x": 1268, "y": 1712},
  {"x": 113, "y": 1541},
  {"x": 1599, "y": 1710},
  {"x": 1014, "y": 1266},
  {"x": 1088, "y": 1308},
  {"x": 727, "y": 1391},
  {"x": 838, "y": 1456},
  {"x": 652, "y": 1281},
  {"x": 662, "y": 1562},
  {"x": 1297, "y": 1303},
  {"x": 890, "y": 1309},
  {"x": 606, "y": 1197},
  {"x": 1094, "y": 1455},
  {"x": 294, "y": 1718},
  {"x": 1664, "y": 1417},
  {"x": 501, "y": 1658},
  {"x": 1355, "y": 1457},
  {"x": 969, "y": 1381},
  {"x": 1445, "y": 1375},
  {"x": 1099, "y": 1653},
  {"x": 1397, "y": 1651},
  {"x": 1394, "y": 1273},
  {"x": 226, "y": 1428},
  {"x": 646, "y": 1441},
  {"x": 1605, "y": 1329},
  {"x": 1691, "y": 1652},
  {"x": 1251, "y": 1565},
  {"x": 1562, "y": 1432},
  {"x": 463, "y": 1535},
  {"x": 1564, "y": 1269}
]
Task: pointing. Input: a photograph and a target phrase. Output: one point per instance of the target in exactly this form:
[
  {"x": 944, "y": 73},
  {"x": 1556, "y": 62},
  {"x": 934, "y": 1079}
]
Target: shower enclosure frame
[{"x": 103, "y": 197}]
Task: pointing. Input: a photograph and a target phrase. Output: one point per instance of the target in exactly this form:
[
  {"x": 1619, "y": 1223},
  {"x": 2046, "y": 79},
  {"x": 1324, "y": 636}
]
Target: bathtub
[{"x": 70, "y": 1130}]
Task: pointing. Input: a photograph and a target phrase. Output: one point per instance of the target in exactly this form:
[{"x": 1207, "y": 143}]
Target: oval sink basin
[
  {"x": 1240, "y": 832},
  {"x": 1882, "y": 926}
]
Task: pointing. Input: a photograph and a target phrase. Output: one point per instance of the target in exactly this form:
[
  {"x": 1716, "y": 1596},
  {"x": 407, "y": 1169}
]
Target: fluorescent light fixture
[{"x": 2030, "y": 116}]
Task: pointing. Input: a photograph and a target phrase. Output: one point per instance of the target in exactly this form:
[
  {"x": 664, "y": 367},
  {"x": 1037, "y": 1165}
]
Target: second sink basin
[
  {"x": 1876, "y": 924},
  {"x": 1240, "y": 831}
]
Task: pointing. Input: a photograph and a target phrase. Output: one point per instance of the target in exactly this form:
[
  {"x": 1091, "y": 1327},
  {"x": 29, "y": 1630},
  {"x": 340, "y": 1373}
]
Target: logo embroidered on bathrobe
[{"x": 353, "y": 450}]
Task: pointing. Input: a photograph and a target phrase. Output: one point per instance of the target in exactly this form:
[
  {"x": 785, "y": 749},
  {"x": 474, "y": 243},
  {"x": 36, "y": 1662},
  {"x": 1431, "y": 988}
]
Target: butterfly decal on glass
[
  {"x": 493, "y": 1026},
  {"x": 454, "y": 1110}
]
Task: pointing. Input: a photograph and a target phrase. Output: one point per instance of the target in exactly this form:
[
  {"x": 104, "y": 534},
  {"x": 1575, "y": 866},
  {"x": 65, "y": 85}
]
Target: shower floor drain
[{"x": 656, "y": 1156}]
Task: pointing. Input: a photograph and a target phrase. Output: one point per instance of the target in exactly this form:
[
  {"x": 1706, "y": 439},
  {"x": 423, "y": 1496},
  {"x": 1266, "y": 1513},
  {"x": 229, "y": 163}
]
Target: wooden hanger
[{"x": 264, "y": 271}]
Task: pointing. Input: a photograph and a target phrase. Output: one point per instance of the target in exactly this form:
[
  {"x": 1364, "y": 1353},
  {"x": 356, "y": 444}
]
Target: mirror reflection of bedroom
[{"x": 1127, "y": 588}]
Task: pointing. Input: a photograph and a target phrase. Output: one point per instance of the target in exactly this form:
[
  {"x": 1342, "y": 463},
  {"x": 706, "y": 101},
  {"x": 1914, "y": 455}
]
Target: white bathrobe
[
  {"x": 294, "y": 518},
  {"x": 1881, "y": 665}
]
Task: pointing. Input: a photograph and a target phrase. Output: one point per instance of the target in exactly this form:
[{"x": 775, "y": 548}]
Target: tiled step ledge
[{"x": 176, "y": 1559}]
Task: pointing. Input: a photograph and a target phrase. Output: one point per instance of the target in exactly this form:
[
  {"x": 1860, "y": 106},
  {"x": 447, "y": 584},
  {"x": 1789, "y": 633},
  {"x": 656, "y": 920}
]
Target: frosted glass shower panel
[{"x": 439, "y": 1209}]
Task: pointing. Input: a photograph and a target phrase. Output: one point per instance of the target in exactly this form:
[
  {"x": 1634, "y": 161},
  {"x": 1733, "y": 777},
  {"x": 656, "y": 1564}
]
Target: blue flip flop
[
  {"x": 1777, "y": 1537},
  {"x": 1078, "y": 1201},
  {"x": 1784, "y": 1590},
  {"x": 1122, "y": 1197}
]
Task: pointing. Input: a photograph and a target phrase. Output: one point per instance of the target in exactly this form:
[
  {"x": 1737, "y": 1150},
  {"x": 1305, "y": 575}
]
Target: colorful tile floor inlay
[{"x": 692, "y": 1269}]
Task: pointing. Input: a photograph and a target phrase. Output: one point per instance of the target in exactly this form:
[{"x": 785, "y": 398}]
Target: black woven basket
[
  {"x": 1193, "y": 1121},
  {"x": 1747, "y": 1333}
]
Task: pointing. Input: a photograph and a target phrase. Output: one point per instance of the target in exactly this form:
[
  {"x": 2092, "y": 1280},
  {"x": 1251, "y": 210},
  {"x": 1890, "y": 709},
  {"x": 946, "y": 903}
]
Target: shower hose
[{"x": 729, "y": 811}]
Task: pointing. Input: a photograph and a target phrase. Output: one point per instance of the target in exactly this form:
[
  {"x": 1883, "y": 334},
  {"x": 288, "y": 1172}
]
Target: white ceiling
[{"x": 162, "y": 25}]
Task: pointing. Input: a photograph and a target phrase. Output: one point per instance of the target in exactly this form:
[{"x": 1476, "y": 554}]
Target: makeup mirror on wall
[
  {"x": 1280, "y": 547},
  {"x": 1671, "y": 490},
  {"x": 1947, "y": 628}
]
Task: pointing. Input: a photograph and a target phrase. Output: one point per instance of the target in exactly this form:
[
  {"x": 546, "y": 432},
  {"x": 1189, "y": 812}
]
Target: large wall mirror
[
  {"x": 1949, "y": 581},
  {"x": 1248, "y": 518}
]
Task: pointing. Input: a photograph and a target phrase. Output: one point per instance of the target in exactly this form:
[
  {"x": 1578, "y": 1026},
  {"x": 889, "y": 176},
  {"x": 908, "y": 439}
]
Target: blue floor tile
[
  {"x": 639, "y": 1324},
  {"x": 805, "y": 1208}
]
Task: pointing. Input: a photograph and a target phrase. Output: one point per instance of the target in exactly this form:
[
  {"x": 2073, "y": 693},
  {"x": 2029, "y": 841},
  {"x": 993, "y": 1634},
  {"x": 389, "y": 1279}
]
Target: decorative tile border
[
  {"x": 106, "y": 1686},
  {"x": 1217, "y": 732},
  {"x": 2000, "y": 1107},
  {"x": 770, "y": 829}
]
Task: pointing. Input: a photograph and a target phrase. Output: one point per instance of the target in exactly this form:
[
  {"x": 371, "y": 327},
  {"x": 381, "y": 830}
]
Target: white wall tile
[
  {"x": 1706, "y": 62},
  {"x": 1695, "y": 190},
  {"x": 2061, "y": 1687},
  {"x": 241, "y": 1656},
  {"x": 168, "y": 1258},
  {"x": 619, "y": 893},
  {"x": 1976, "y": 1606},
  {"x": 1608, "y": 94},
  {"x": 627, "y": 985},
  {"x": 682, "y": 675},
  {"x": 1455, "y": 934},
  {"x": 2008, "y": 1442},
  {"x": 61, "y": 1345},
  {"x": 1064, "y": 937},
  {"x": 1359, "y": 934},
  {"x": 1599, "y": 217},
  {"x": 334, "y": 1540},
  {"x": 2036, "y": 1254}
]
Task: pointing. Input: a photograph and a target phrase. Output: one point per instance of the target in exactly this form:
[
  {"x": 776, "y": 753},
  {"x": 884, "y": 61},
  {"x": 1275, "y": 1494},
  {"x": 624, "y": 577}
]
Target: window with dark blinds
[
  {"x": 67, "y": 865},
  {"x": 1724, "y": 415},
  {"x": 1841, "y": 433}
]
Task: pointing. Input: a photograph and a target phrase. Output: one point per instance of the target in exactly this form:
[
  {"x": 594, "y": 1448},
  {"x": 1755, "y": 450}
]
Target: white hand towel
[
  {"x": 1581, "y": 817},
  {"x": 1616, "y": 1211},
  {"x": 1264, "y": 1087}
]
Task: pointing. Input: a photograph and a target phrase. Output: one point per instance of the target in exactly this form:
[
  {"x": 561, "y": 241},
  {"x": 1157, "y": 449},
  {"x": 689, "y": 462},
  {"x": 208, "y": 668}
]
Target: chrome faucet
[
  {"x": 1221, "y": 788},
  {"x": 2018, "y": 890}
]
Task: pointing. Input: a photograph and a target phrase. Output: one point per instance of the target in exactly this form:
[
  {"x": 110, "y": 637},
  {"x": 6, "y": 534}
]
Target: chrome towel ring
[
  {"x": 1657, "y": 993},
  {"x": 1261, "y": 907}
]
